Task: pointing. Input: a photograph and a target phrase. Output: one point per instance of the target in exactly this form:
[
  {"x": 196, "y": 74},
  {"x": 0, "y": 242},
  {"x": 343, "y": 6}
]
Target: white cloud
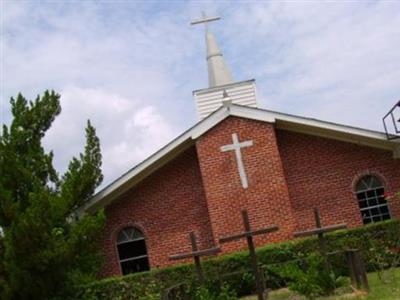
[
  {"x": 131, "y": 67},
  {"x": 335, "y": 61},
  {"x": 128, "y": 131}
]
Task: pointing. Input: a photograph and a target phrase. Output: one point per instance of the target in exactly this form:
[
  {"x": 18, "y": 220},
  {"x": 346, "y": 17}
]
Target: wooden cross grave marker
[
  {"x": 358, "y": 273},
  {"x": 249, "y": 234},
  {"x": 196, "y": 254},
  {"x": 320, "y": 231}
]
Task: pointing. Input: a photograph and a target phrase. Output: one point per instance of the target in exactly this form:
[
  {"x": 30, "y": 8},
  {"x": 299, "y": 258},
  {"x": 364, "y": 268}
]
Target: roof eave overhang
[
  {"x": 187, "y": 139},
  {"x": 319, "y": 128},
  {"x": 350, "y": 136}
]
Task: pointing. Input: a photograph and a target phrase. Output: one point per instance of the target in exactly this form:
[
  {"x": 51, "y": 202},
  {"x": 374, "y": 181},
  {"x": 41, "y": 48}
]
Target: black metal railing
[{"x": 390, "y": 117}]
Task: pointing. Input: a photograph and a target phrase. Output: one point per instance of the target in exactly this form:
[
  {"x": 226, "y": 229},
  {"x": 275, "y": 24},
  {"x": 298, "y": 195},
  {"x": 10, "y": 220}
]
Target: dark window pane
[
  {"x": 362, "y": 203},
  {"x": 374, "y": 211},
  {"x": 366, "y": 213},
  {"x": 381, "y": 200},
  {"x": 380, "y": 191},
  {"x": 372, "y": 202},
  {"x": 134, "y": 266},
  {"x": 386, "y": 216},
  {"x": 384, "y": 210},
  {"x": 132, "y": 249},
  {"x": 371, "y": 193},
  {"x": 377, "y": 218},
  {"x": 361, "y": 196},
  {"x": 367, "y": 220}
]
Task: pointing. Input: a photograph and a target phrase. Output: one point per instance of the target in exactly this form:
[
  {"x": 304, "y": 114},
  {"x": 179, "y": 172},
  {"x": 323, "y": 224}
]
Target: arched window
[
  {"x": 132, "y": 251},
  {"x": 371, "y": 199}
]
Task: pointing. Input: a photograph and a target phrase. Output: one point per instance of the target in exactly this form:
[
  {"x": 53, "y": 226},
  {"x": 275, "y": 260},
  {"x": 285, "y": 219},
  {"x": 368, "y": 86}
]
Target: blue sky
[{"x": 131, "y": 66}]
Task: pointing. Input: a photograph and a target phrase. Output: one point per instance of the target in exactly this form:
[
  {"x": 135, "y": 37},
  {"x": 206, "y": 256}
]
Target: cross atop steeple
[
  {"x": 205, "y": 20},
  {"x": 218, "y": 73}
]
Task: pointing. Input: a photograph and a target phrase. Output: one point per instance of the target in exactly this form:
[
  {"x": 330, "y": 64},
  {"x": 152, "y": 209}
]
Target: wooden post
[
  {"x": 362, "y": 271},
  {"x": 352, "y": 269},
  {"x": 196, "y": 258},
  {"x": 358, "y": 274},
  {"x": 196, "y": 254},
  {"x": 248, "y": 234}
]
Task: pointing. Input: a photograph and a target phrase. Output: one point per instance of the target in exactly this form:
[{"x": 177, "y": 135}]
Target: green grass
[{"x": 384, "y": 286}]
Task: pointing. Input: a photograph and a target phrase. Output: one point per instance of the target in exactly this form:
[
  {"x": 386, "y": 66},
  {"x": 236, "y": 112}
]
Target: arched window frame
[
  {"x": 139, "y": 238},
  {"x": 373, "y": 194}
]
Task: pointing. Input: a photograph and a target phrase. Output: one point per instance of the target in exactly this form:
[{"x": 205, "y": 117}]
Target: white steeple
[
  {"x": 222, "y": 90},
  {"x": 218, "y": 72}
]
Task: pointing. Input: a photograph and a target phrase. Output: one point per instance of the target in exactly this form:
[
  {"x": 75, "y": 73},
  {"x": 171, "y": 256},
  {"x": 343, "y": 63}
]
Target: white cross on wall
[{"x": 236, "y": 146}]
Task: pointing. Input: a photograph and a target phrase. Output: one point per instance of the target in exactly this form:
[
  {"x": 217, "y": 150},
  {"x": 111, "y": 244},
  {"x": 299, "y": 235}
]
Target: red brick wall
[
  {"x": 322, "y": 172},
  {"x": 166, "y": 206},
  {"x": 288, "y": 173},
  {"x": 266, "y": 198}
]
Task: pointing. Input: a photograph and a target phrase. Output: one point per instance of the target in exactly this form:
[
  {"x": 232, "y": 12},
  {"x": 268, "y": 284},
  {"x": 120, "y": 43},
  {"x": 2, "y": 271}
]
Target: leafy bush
[
  {"x": 226, "y": 293},
  {"x": 314, "y": 278},
  {"x": 203, "y": 293},
  {"x": 375, "y": 240}
]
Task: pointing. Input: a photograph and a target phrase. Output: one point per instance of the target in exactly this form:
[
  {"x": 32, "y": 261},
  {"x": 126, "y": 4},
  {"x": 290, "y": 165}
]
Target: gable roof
[{"x": 281, "y": 120}]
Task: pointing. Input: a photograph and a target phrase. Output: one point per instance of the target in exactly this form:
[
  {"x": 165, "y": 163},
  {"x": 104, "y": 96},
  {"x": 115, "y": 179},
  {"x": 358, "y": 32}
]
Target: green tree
[{"x": 45, "y": 249}]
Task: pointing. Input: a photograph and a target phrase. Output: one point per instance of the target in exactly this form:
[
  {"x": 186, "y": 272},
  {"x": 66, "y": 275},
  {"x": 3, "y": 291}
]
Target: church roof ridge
[{"x": 283, "y": 121}]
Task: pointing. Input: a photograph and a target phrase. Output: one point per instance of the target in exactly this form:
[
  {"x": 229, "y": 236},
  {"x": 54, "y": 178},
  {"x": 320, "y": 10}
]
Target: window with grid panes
[
  {"x": 371, "y": 200},
  {"x": 132, "y": 251}
]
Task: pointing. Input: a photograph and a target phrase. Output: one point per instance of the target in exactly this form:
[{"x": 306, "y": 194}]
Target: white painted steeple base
[{"x": 210, "y": 99}]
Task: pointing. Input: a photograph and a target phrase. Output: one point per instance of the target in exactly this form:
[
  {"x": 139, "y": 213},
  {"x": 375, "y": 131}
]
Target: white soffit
[
  {"x": 333, "y": 131},
  {"x": 187, "y": 139}
]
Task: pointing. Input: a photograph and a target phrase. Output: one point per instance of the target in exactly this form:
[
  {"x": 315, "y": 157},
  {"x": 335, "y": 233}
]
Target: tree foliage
[{"x": 45, "y": 250}]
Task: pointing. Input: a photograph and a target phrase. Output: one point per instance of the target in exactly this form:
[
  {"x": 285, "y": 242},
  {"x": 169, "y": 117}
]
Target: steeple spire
[
  {"x": 222, "y": 90},
  {"x": 218, "y": 72}
]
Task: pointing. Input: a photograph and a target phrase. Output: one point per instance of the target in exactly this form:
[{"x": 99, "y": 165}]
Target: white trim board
[{"x": 282, "y": 121}]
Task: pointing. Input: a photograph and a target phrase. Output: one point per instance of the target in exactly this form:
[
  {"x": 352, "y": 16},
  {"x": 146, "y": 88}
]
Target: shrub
[
  {"x": 234, "y": 269},
  {"x": 203, "y": 293},
  {"x": 226, "y": 293},
  {"x": 314, "y": 278}
]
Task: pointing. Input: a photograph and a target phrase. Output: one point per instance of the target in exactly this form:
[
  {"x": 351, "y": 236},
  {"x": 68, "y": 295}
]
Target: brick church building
[{"x": 277, "y": 166}]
